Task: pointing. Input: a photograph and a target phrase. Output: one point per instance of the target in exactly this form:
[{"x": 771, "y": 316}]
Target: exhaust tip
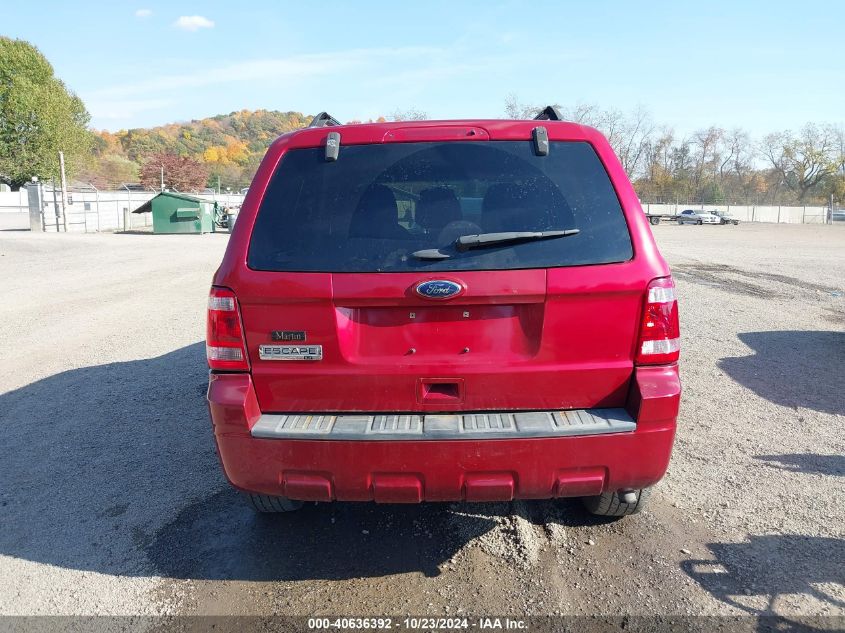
[{"x": 628, "y": 496}]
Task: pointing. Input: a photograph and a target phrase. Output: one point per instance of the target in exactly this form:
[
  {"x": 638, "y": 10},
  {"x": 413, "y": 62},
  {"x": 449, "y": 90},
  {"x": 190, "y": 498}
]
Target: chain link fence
[
  {"x": 780, "y": 214},
  {"x": 88, "y": 209}
]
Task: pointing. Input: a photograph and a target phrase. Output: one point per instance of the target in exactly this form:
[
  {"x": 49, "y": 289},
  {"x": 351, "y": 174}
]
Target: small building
[{"x": 179, "y": 213}]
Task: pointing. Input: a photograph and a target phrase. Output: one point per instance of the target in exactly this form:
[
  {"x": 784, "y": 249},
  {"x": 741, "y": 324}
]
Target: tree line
[
  {"x": 223, "y": 150},
  {"x": 39, "y": 116},
  {"x": 716, "y": 165}
]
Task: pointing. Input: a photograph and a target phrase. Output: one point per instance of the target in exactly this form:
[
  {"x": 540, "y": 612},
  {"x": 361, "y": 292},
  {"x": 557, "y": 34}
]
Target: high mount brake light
[
  {"x": 225, "y": 347},
  {"x": 660, "y": 332}
]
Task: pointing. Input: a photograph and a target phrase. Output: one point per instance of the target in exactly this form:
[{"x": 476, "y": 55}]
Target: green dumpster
[{"x": 179, "y": 213}]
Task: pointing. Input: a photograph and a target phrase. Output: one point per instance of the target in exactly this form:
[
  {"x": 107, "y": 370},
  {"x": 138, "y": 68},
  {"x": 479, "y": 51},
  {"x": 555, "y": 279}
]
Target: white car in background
[{"x": 698, "y": 217}]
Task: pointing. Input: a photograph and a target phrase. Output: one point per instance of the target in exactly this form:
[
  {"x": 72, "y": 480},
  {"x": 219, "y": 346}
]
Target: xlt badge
[{"x": 287, "y": 335}]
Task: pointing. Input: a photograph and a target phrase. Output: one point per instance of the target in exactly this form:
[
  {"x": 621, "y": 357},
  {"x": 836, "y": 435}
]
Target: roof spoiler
[
  {"x": 549, "y": 113},
  {"x": 323, "y": 119}
]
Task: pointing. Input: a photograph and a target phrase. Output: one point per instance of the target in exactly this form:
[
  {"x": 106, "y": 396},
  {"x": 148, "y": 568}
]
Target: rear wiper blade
[
  {"x": 430, "y": 253},
  {"x": 482, "y": 240}
]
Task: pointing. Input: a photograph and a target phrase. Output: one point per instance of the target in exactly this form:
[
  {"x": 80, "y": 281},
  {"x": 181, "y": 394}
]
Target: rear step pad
[{"x": 443, "y": 425}]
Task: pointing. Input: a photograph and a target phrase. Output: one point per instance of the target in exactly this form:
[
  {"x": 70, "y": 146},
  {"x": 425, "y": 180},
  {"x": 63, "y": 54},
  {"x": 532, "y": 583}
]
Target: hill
[{"x": 229, "y": 145}]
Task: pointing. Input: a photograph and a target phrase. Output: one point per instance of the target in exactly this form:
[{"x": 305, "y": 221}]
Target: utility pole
[
  {"x": 162, "y": 177},
  {"x": 218, "y": 184},
  {"x": 64, "y": 189},
  {"x": 55, "y": 202}
]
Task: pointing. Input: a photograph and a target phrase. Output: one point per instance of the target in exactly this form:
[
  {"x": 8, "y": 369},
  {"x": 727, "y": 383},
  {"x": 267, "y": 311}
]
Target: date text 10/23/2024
[{"x": 417, "y": 623}]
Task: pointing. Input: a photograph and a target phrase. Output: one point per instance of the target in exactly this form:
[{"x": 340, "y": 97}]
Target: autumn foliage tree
[
  {"x": 231, "y": 145},
  {"x": 714, "y": 165},
  {"x": 110, "y": 171},
  {"x": 803, "y": 160},
  {"x": 181, "y": 173}
]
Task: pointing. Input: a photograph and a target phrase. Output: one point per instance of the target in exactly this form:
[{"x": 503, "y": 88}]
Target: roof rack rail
[
  {"x": 549, "y": 113},
  {"x": 323, "y": 119}
]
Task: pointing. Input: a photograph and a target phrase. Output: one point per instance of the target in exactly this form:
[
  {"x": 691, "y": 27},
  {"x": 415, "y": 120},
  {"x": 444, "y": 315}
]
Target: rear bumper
[{"x": 414, "y": 470}]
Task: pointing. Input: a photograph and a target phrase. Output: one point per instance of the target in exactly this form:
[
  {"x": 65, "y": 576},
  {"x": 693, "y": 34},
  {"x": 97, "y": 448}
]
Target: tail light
[
  {"x": 225, "y": 347},
  {"x": 660, "y": 333}
]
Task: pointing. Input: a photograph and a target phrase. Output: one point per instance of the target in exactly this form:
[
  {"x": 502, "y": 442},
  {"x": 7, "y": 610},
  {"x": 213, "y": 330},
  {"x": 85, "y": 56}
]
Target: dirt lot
[{"x": 112, "y": 501}]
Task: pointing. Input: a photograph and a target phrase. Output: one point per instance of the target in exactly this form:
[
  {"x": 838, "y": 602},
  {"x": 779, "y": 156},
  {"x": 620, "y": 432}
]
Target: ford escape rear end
[{"x": 440, "y": 311}]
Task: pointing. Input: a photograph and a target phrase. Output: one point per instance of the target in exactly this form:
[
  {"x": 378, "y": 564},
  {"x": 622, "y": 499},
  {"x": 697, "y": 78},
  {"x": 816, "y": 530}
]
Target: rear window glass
[{"x": 377, "y": 205}]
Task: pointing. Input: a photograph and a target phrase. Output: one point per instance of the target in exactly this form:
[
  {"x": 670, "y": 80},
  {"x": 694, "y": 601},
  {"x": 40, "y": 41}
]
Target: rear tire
[
  {"x": 654, "y": 221},
  {"x": 699, "y": 223},
  {"x": 266, "y": 504},
  {"x": 610, "y": 504}
]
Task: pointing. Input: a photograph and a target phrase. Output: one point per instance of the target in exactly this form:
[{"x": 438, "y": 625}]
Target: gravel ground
[{"x": 112, "y": 501}]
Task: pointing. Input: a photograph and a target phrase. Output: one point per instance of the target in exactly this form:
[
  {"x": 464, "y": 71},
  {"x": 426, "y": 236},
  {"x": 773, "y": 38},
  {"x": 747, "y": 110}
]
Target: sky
[{"x": 763, "y": 66}]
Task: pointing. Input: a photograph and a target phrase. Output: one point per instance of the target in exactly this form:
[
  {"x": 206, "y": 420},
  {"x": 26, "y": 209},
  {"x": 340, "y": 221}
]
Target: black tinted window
[{"x": 378, "y": 204}]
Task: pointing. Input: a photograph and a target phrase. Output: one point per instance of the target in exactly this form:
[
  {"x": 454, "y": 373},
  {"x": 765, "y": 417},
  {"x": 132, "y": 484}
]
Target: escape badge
[{"x": 290, "y": 352}]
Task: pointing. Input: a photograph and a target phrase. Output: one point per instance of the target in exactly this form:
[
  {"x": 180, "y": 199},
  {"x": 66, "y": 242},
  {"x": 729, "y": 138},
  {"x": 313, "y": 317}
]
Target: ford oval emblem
[{"x": 438, "y": 289}]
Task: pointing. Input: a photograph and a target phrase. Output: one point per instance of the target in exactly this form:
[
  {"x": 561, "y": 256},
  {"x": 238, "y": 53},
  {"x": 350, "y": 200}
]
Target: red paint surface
[
  {"x": 324, "y": 470},
  {"x": 559, "y": 338}
]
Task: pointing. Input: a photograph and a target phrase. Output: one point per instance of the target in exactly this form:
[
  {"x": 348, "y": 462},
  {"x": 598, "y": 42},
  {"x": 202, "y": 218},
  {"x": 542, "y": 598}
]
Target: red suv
[{"x": 443, "y": 311}]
